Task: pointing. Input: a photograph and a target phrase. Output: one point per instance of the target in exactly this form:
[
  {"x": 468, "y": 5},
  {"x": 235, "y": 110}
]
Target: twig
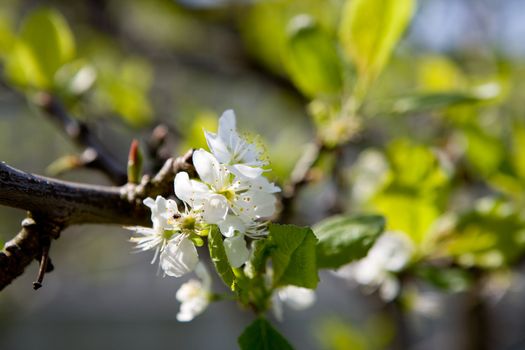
[
  {"x": 43, "y": 264},
  {"x": 300, "y": 176}
]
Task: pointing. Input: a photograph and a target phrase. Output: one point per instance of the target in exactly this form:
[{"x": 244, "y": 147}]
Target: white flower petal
[
  {"x": 209, "y": 169},
  {"x": 230, "y": 225},
  {"x": 246, "y": 171},
  {"x": 149, "y": 202},
  {"x": 389, "y": 289},
  {"x": 218, "y": 147},
  {"x": 179, "y": 257},
  {"x": 227, "y": 126},
  {"x": 190, "y": 191},
  {"x": 296, "y": 297},
  {"x": 215, "y": 208},
  {"x": 236, "y": 250}
]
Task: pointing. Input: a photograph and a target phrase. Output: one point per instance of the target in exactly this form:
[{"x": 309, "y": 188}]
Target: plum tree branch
[
  {"x": 95, "y": 154},
  {"x": 56, "y": 204}
]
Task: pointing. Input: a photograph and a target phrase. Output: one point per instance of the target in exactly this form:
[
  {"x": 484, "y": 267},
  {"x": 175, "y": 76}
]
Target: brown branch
[
  {"x": 300, "y": 177},
  {"x": 95, "y": 155},
  {"x": 56, "y": 204}
]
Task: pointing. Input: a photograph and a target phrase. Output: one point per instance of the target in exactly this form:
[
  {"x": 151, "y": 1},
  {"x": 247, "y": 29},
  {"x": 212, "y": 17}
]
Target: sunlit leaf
[
  {"x": 439, "y": 74},
  {"x": 219, "y": 257},
  {"x": 312, "y": 59},
  {"x": 21, "y": 67},
  {"x": 414, "y": 195},
  {"x": 343, "y": 239},
  {"x": 47, "y": 35},
  {"x": 490, "y": 236},
  {"x": 434, "y": 101},
  {"x": 370, "y": 29},
  {"x": 485, "y": 152}
]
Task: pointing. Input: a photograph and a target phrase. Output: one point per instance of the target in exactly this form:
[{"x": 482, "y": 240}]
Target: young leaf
[
  {"x": 219, "y": 258},
  {"x": 343, "y": 239},
  {"x": 312, "y": 59},
  {"x": 369, "y": 31},
  {"x": 293, "y": 256},
  {"x": 260, "y": 335},
  {"x": 50, "y": 40},
  {"x": 437, "y": 100}
]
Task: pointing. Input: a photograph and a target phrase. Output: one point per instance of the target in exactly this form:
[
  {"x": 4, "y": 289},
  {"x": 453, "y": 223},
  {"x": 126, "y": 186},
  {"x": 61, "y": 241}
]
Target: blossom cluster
[{"x": 231, "y": 192}]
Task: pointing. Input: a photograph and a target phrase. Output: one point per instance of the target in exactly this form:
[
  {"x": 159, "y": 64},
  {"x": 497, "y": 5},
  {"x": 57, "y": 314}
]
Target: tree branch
[
  {"x": 56, "y": 204},
  {"x": 95, "y": 154}
]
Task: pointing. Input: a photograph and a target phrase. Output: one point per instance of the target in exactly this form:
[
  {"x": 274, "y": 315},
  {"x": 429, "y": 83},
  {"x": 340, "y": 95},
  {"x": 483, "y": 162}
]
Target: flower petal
[
  {"x": 190, "y": 191},
  {"x": 227, "y": 126},
  {"x": 218, "y": 147},
  {"x": 179, "y": 257},
  {"x": 236, "y": 250},
  {"x": 209, "y": 169},
  {"x": 214, "y": 208},
  {"x": 230, "y": 225},
  {"x": 246, "y": 171},
  {"x": 296, "y": 297}
]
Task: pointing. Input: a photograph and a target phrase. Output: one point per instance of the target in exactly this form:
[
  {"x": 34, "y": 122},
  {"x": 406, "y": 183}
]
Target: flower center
[
  {"x": 228, "y": 193},
  {"x": 188, "y": 222}
]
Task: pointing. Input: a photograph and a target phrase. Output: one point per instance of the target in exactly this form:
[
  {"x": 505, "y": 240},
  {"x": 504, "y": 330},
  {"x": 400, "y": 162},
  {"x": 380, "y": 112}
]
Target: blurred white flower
[
  {"x": 194, "y": 295},
  {"x": 297, "y": 298},
  {"x": 390, "y": 254}
]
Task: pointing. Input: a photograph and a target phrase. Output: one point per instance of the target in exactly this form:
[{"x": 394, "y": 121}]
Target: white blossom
[
  {"x": 390, "y": 254},
  {"x": 222, "y": 192},
  {"x": 297, "y": 298},
  {"x": 232, "y": 149},
  {"x": 156, "y": 237},
  {"x": 194, "y": 295},
  {"x": 169, "y": 236}
]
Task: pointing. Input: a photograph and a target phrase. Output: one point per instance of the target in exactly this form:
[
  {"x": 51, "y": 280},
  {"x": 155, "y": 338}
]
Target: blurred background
[{"x": 444, "y": 119}]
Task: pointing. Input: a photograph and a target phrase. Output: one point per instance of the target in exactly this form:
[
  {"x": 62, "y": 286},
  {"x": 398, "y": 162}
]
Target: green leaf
[
  {"x": 412, "y": 200},
  {"x": 21, "y": 67},
  {"x": 369, "y": 31},
  {"x": 490, "y": 236},
  {"x": 260, "y": 335},
  {"x": 343, "y": 239},
  {"x": 293, "y": 256},
  {"x": 47, "y": 35},
  {"x": 312, "y": 59},
  {"x": 448, "y": 279},
  {"x": 484, "y": 151},
  {"x": 434, "y": 101},
  {"x": 260, "y": 253},
  {"x": 219, "y": 258},
  {"x": 408, "y": 211}
]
